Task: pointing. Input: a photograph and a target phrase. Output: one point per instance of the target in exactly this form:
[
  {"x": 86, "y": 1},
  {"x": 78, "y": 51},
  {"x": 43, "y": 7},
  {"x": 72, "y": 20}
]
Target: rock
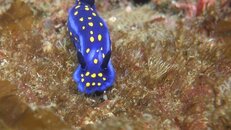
[{"x": 14, "y": 114}]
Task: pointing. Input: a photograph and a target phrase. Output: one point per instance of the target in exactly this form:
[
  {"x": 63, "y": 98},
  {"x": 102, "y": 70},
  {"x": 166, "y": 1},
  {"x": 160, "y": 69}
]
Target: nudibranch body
[{"x": 90, "y": 35}]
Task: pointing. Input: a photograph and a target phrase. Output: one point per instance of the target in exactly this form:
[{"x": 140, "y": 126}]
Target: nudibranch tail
[
  {"x": 91, "y": 37},
  {"x": 89, "y": 2}
]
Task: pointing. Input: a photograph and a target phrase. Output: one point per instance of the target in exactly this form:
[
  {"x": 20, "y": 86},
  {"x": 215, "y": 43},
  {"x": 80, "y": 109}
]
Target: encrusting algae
[{"x": 173, "y": 70}]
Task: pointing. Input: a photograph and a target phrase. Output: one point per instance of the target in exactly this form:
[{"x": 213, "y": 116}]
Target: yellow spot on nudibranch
[
  {"x": 94, "y": 14},
  {"x": 104, "y": 79},
  {"x": 87, "y": 50},
  {"x": 101, "y": 24},
  {"x": 71, "y": 33},
  {"x": 93, "y": 75},
  {"x": 77, "y": 7},
  {"x": 101, "y": 48},
  {"x": 89, "y": 18},
  {"x": 83, "y": 27},
  {"x": 99, "y": 84},
  {"x": 100, "y": 74},
  {"x": 81, "y": 19},
  {"x": 88, "y": 84},
  {"x": 93, "y": 84},
  {"x": 91, "y": 32},
  {"x": 99, "y": 37},
  {"x": 87, "y": 74},
  {"x": 103, "y": 55},
  {"x": 86, "y": 8},
  {"x": 92, "y": 39},
  {"x": 90, "y": 24},
  {"x": 95, "y": 61},
  {"x": 82, "y": 80},
  {"x": 76, "y": 13},
  {"x": 82, "y": 75}
]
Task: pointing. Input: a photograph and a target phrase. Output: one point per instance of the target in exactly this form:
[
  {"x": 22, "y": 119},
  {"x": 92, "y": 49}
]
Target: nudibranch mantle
[{"x": 90, "y": 35}]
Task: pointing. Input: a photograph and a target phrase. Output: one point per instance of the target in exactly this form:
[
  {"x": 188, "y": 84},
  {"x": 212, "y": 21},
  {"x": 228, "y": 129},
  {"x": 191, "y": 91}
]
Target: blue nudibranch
[{"x": 90, "y": 35}]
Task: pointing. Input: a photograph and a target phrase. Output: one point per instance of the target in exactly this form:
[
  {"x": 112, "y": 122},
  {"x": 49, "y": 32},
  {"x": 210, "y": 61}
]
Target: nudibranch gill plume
[{"x": 90, "y": 35}]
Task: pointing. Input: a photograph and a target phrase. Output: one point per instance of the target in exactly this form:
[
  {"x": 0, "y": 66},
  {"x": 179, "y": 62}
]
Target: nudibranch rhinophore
[{"x": 90, "y": 35}]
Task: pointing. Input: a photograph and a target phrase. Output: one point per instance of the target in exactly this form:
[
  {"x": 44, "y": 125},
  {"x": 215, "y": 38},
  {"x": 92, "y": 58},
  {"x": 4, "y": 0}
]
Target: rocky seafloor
[{"x": 172, "y": 59}]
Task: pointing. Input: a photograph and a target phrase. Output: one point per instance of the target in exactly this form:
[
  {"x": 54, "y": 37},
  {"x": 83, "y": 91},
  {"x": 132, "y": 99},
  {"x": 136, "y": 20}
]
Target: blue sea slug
[{"x": 90, "y": 35}]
